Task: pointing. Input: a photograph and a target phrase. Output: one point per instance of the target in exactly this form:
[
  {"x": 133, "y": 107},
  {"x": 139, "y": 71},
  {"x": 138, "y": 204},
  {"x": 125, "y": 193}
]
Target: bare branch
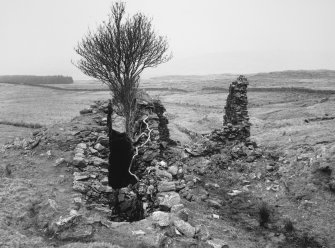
[{"x": 118, "y": 52}]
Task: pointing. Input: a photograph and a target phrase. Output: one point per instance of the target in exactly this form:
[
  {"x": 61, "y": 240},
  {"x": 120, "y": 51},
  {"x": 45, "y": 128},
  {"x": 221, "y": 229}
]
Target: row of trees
[{"x": 28, "y": 79}]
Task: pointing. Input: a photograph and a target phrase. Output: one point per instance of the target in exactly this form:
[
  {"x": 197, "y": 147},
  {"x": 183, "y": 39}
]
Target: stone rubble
[
  {"x": 162, "y": 184},
  {"x": 184, "y": 228},
  {"x": 217, "y": 243},
  {"x": 168, "y": 199},
  {"x": 161, "y": 218},
  {"x": 167, "y": 172}
]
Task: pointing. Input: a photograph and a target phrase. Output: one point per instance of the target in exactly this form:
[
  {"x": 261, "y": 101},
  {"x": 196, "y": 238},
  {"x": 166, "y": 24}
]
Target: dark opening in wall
[
  {"x": 126, "y": 203},
  {"x": 121, "y": 153}
]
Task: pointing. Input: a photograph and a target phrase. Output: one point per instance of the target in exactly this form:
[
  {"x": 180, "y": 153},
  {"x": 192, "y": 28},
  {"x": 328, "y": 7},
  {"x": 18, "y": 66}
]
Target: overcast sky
[{"x": 213, "y": 36}]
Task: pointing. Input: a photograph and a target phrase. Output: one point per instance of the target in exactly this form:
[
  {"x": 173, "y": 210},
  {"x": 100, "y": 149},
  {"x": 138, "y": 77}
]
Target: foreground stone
[
  {"x": 90, "y": 245},
  {"x": 82, "y": 146},
  {"x": 202, "y": 233},
  {"x": 103, "y": 140},
  {"x": 176, "y": 208},
  {"x": 99, "y": 147},
  {"x": 173, "y": 170},
  {"x": 168, "y": 200},
  {"x": 166, "y": 186},
  {"x": 99, "y": 162},
  {"x": 79, "y": 232},
  {"x": 217, "y": 243},
  {"x": 80, "y": 176},
  {"x": 163, "y": 174},
  {"x": 214, "y": 204},
  {"x": 80, "y": 187},
  {"x": 86, "y": 111},
  {"x": 161, "y": 218},
  {"x": 59, "y": 161},
  {"x": 79, "y": 162},
  {"x": 185, "y": 228},
  {"x": 183, "y": 214},
  {"x": 65, "y": 222}
]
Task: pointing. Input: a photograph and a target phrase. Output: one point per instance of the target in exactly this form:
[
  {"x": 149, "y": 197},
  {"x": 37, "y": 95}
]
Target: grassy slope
[
  {"x": 277, "y": 118},
  {"x": 25, "y": 104},
  {"x": 189, "y": 108},
  {"x": 277, "y": 122}
]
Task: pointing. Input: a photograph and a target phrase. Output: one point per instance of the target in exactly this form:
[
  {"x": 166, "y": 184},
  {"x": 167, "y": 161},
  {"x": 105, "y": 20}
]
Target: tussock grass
[
  {"x": 288, "y": 226},
  {"x": 21, "y": 124},
  {"x": 264, "y": 214}
]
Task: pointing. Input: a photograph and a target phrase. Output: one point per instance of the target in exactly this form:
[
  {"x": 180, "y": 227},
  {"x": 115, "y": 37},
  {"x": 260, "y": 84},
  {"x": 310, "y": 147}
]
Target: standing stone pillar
[{"x": 236, "y": 125}]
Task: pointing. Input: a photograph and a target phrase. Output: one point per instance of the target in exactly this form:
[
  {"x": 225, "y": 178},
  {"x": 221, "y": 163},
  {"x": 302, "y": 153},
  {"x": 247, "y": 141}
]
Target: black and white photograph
[{"x": 167, "y": 124}]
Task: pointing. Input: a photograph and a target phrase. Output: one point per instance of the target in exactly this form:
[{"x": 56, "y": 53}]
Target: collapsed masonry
[
  {"x": 150, "y": 127},
  {"x": 236, "y": 125},
  {"x": 157, "y": 184},
  {"x": 157, "y": 164}
]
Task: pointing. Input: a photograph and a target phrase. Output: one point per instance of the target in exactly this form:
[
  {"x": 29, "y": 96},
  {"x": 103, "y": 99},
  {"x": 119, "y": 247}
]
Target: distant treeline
[
  {"x": 57, "y": 88},
  {"x": 27, "y": 79},
  {"x": 21, "y": 124},
  {"x": 274, "y": 89}
]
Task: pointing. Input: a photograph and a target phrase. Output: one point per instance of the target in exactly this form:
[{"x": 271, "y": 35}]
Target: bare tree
[{"x": 118, "y": 52}]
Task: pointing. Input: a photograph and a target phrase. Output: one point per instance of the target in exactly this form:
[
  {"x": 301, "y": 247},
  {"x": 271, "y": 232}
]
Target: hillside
[
  {"x": 288, "y": 176},
  {"x": 54, "y": 198},
  {"x": 318, "y": 79}
]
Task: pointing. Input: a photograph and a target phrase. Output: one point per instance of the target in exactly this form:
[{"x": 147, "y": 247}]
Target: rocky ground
[{"x": 55, "y": 193}]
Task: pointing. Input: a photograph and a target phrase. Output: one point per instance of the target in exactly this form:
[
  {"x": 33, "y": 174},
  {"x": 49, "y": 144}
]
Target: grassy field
[
  {"x": 276, "y": 115},
  {"x": 280, "y": 123},
  {"x": 42, "y": 105},
  {"x": 19, "y": 103}
]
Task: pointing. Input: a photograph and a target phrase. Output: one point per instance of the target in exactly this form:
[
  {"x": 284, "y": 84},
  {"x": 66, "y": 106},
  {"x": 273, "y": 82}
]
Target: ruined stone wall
[
  {"x": 159, "y": 135},
  {"x": 163, "y": 129},
  {"x": 236, "y": 109},
  {"x": 236, "y": 125},
  {"x": 93, "y": 177}
]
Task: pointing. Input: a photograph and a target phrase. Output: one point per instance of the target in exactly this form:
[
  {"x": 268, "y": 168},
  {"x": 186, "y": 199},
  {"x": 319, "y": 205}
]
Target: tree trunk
[
  {"x": 128, "y": 126},
  {"x": 109, "y": 130},
  {"x": 130, "y": 111}
]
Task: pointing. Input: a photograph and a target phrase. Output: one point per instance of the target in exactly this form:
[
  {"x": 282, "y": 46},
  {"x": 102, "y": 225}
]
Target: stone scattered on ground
[
  {"x": 202, "y": 233},
  {"x": 168, "y": 199},
  {"x": 184, "y": 227},
  {"x": 169, "y": 176},
  {"x": 160, "y": 218},
  {"x": 217, "y": 243}
]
